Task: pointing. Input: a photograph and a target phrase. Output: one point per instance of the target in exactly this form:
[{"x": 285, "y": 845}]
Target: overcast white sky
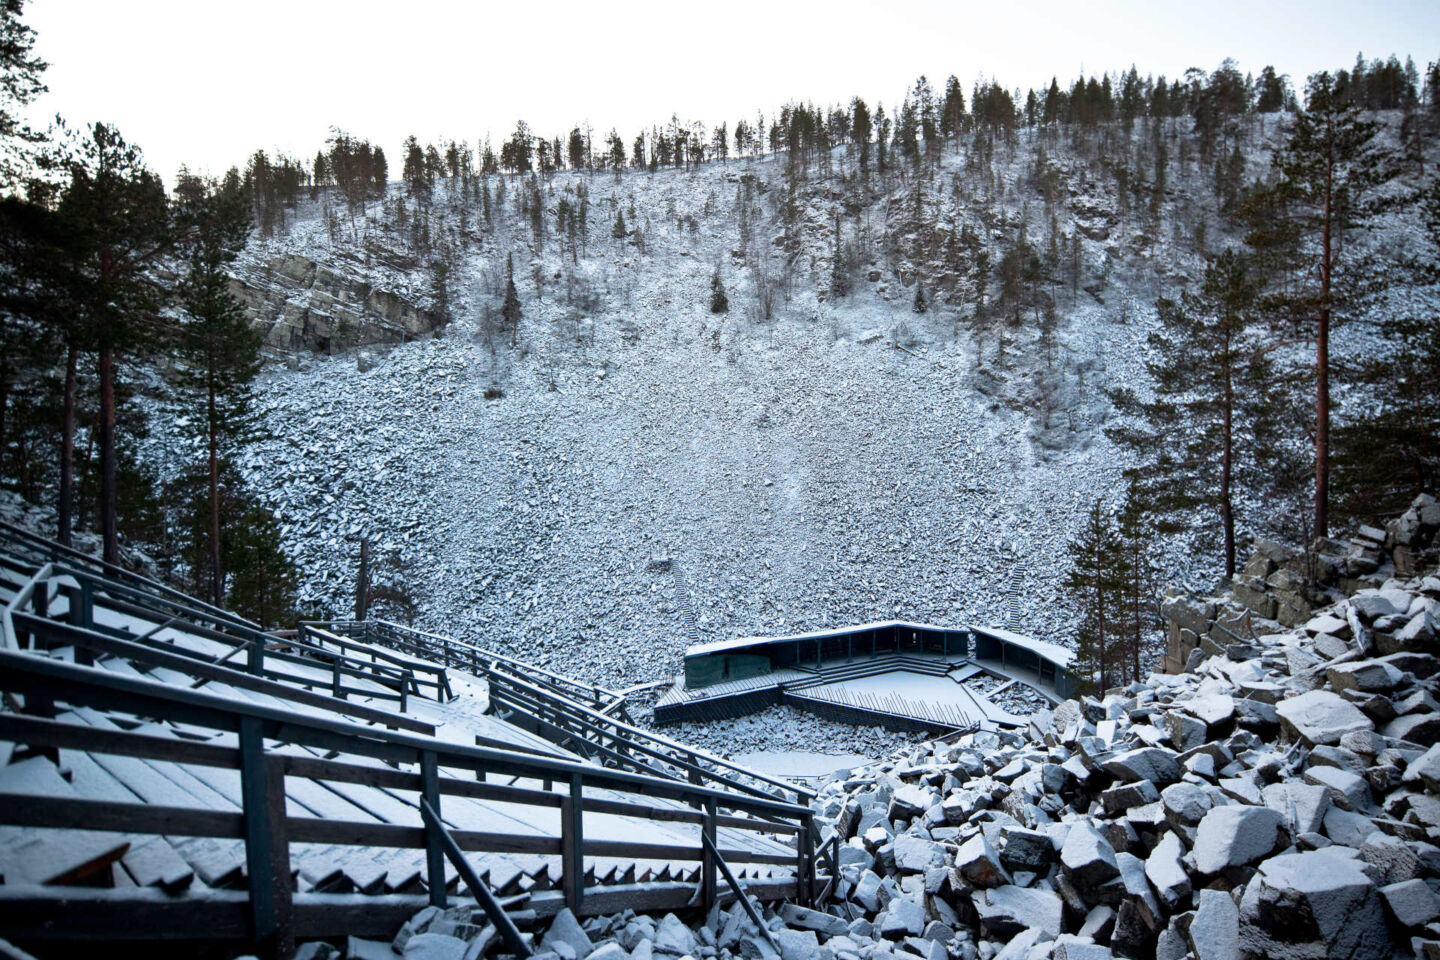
[{"x": 205, "y": 83}]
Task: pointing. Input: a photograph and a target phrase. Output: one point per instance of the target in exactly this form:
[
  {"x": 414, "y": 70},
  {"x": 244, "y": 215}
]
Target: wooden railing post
[
  {"x": 434, "y": 848},
  {"x": 572, "y": 840},
  {"x": 805, "y": 861},
  {"x": 267, "y": 849},
  {"x": 708, "y": 879}
]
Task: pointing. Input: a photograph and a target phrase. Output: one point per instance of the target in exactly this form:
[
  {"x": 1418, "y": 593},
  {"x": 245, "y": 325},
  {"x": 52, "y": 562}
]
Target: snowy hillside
[{"x": 848, "y": 460}]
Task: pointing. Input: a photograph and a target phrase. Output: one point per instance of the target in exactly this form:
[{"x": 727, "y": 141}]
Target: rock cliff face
[
  {"x": 303, "y": 306},
  {"x": 1272, "y": 592}
]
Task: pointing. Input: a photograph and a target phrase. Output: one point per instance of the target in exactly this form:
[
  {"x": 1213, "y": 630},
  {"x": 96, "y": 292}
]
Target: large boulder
[
  {"x": 1320, "y": 717},
  {"x": 1155, "y": 764},
  {"x": 1088, "y": 857},
  {"x": 1234, "y": 836},
  {"x": 1318, "y": 904},
  {"x": 1007, "y": 910}
]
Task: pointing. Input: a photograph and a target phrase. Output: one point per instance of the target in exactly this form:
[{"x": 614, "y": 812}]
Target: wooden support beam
[
  {"x": 740, "y": 894},
  {"x": 262, "y": 839},
  {"x": 515, "y": 943},
  {"x": 708, "y": 880},
  {"x": 572, "y": 841},
  {"x": 434, "y": 846}
]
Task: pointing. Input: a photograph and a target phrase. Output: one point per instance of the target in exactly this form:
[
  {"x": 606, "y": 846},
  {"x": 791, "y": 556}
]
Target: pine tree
[
  {"x": 1093, "y": 585},
  {"x": 20, "y": 84},
  {"x": 920, "y": 305},
  {"x": 510, "y": 311},
  {"x": 1195, "y": 437},
  {"x": 264, "y": 585},
  {"x": 839, "y": 275},
  {"x": 219, "y": 351},
  {"x": 719, "y": 302},
  {"x": 118, "y": 206},
  {"x": 618, "y": 231},
  {"x": 1329, "y": 170}
]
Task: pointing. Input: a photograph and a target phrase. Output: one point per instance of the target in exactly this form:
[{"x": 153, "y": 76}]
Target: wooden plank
[{"x": 153, "y": 862}]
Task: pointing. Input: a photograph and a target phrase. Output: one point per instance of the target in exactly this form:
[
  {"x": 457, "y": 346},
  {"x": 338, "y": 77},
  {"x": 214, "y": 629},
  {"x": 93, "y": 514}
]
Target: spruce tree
[
  {"x": 618, "y": 231},
  {"x": 839, "y": 276},
  {"x": 1092, "y": 584},
  {"x": 20, "y": 84},
  {"x": 719, "y": 302},
  {"x": 510, "y": 311},
  {"x": 1195, "y": 436},
  {"x": 219, "y": 350}
]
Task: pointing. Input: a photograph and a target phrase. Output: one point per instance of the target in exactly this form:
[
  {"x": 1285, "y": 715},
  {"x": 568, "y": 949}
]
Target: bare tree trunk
[
  {"x": 362, "y": 582},
  {"x": 1322, "y": 371},
  {"x": 66, "y": 507},
  {"x": 217, "y": 572},
  {"x": 1227, "y": 512},
  {"x": 109, "y": 468}
]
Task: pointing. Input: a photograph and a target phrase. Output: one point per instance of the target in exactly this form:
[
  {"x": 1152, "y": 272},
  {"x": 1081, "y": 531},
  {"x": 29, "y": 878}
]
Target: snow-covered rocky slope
[{"x": 845, "y": 460}]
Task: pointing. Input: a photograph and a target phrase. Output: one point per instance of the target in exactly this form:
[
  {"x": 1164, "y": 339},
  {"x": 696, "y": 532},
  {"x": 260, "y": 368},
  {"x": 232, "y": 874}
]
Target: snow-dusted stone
[
  {"x": 1317, "y": 904},
  {"x": 1123, "y": 796},
  {"x": 359, "y": 949},
  {"x": 1186, "y": 732},
  {"x": 1069, "y": 947},
  {"x": 1367, "y": 676},
  {"x": 1155, "y": 764},
  {"x": 316, "y": 950},
  {"x": 1185, "y": 804},
  {"x": 797, "y": 944},
  {"x": 1425, "y": 769},
  {"x": 1164, "y": 869},
  {"x": 909, "y": 802},
  {"x": 1023, "y": 944},
  {"x": 1330, "y": 646},
  {"x": 1391, "y": 859},
  {"x": 1348, "y": 829},
  {"x": 434, "y": 946},
  {"x": 903, "y": 916},
  {"x": 1212, "y": 708},
  {"x": 856, "y": 856},
  {"x": 867, "y": 891},
  {"x": 673, "y": 937},
  {"x": 1233, "y": 836},
  {"x": 416, "y": 924},
  {"x": 567, "y": 930},
  {"x": 1411, "y": 902},
  {"x": 978, "y": 863},
  {"x": 1005, "y": 911},
  {"x": 1088, "y": 857},
  {"x": 917, "y": 854},
  {"x": 1214, "y": 930},
  {"x": 1302, "y": 805},
  {"x": 1320, "y": 717},
  {"x": 609, "y": 951},
  {"x": 1026, "y": 850},
  {"x": 1328, "y": 623},
  {"x": 1417, "y": 728},
  {"x": 806, "y": 919},
  {"x": 1098, "y": 922},
  {"x": 1349, "y": 790},
  {"x": 955, "y": 809},
  {"x": 1373, "y": 607}
]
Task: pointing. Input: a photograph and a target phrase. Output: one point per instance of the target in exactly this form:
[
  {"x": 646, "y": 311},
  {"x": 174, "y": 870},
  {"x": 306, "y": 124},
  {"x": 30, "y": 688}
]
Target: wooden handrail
[
  {"x": 23, "y": 673},
  {"x": 632, "y": 733}
]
